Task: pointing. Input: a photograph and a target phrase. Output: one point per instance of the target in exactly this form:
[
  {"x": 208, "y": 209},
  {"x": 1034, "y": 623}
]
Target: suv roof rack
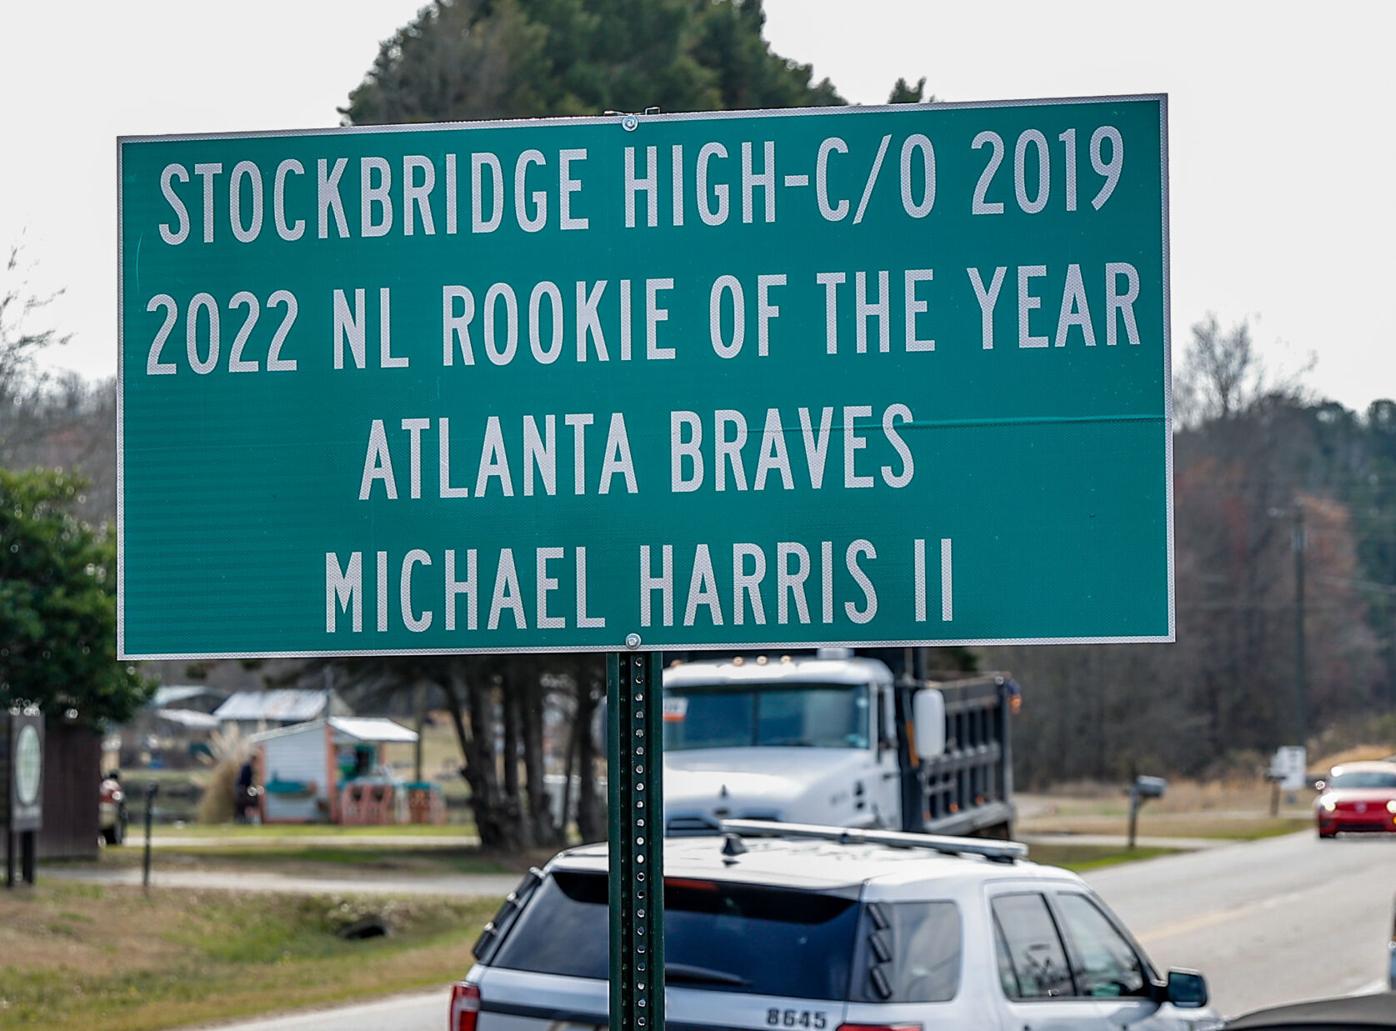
[{"x": 995, "y": 851}]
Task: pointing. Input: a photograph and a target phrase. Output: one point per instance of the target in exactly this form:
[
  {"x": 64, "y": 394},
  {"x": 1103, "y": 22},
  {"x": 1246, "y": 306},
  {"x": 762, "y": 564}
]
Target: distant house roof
[
  {"x": 366, "y": 728},
  {"x": 169, "y": 696},
  {"x": 189, "y": 718},
  {"x": 282, "y": 706},
  {"x": 356, "y": 728}
]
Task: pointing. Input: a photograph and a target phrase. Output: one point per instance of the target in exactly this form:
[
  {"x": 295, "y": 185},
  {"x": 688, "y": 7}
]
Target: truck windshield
[{"x": 774, "y": 715}]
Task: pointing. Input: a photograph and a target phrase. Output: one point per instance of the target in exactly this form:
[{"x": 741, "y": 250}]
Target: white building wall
[{"x": 299, "y": 755}]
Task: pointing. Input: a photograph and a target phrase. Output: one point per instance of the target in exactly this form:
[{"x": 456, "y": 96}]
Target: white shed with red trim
[{"x": 299, "y": 767}]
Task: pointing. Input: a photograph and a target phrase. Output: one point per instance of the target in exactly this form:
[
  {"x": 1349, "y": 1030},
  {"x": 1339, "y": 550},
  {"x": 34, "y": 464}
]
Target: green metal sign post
[
  {"x": 635, "y": 741},
  {"x": 767, "y": 379}
]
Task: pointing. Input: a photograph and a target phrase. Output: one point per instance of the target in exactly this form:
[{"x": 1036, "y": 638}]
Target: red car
[{"x": 1357, "y": 797}]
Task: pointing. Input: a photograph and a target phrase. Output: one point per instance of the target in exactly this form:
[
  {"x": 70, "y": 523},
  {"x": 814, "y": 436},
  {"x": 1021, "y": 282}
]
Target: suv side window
[
  {"x": 1032, "y": 958},
  {"x": 1106, "y": 964},
  {"x": 908, "y": 952}
]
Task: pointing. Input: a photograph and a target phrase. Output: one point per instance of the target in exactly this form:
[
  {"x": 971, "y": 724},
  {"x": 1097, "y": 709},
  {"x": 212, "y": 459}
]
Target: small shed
[{"x": 303, "y": 768}]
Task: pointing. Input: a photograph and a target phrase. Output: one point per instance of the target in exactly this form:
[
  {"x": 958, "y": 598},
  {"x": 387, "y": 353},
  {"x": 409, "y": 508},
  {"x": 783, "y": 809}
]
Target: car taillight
[
  {"x": 465, "y": 1007},
  {"x": 880, "y": 1027}
]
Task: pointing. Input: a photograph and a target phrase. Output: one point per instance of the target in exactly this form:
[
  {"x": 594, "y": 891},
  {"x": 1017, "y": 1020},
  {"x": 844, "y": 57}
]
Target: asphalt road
[
  {"x": 360, "y": 883},
  {"x": 135, "y": 841},
  {"x": 422, "y": 1011},
  {"x": 1268, "y": 922}
]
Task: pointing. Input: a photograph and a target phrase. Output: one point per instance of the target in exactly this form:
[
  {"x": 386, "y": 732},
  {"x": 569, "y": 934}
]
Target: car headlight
[
  {"x": 1327, "y": 804},
  {"x": 1391, "y": 806}
]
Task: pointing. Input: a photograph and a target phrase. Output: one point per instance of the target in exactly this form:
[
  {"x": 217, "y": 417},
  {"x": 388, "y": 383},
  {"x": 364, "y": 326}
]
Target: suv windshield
[
  {"x": 752, "y": 939},
  {"x": 798, "y": 715},
  {"x": 1364, "y": 779}
]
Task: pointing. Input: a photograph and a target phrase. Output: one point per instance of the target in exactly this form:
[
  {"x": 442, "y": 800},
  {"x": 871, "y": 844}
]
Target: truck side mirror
[{"x": 928, "y": 715}]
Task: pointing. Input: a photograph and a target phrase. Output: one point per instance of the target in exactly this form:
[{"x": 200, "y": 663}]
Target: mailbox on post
[{"x": 1140, "y": 790}]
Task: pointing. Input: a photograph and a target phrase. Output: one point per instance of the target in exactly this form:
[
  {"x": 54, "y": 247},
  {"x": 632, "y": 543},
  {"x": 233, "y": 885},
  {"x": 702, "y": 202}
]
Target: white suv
[{"x": 823, "y": 929}]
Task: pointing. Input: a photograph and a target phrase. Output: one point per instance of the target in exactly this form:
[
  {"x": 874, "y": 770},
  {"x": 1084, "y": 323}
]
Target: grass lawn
[
  {"x": 1231, "y": 810},
  {"x": 1081, "y": 858},
  {"x": 315, "y": 858},
  {"x": 1233, "y": 830},
  {"x": 80, "y": 956},
  {"x": 1170, "y": 825},
  {"x": 254, "y": 832}
]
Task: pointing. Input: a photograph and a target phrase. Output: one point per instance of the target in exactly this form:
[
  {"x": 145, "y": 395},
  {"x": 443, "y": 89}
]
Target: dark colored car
[{"x": 1354, "y": 1012}]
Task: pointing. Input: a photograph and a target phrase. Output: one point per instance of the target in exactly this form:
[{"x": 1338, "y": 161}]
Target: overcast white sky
[{"x": 1283, "y": 155}]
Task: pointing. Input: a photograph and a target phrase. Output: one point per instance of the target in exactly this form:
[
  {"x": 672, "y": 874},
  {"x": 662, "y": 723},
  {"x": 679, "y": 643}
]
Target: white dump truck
[{"x": 837, "y": 738}]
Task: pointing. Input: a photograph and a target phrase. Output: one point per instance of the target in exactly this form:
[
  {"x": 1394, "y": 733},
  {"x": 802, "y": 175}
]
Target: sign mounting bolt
[{"x": 632, "y": 641}]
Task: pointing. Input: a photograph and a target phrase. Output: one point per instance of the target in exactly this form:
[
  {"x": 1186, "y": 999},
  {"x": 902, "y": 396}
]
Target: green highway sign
[{"x": 866, "y": 375}]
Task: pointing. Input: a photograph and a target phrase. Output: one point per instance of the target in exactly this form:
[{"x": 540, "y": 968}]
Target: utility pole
[
  {"x": 1133, "y": 805},
  {"x": 1301, "y": 685},
  {"x": 1391, "y": 652}
]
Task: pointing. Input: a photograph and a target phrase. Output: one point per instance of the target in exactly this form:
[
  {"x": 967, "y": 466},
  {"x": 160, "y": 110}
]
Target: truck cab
[
  {"x": 833, "y": 738},
  {"x": 796, "y": 740}
]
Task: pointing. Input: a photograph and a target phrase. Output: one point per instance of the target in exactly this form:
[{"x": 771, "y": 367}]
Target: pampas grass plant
[{"x": 229, "y": 751}]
